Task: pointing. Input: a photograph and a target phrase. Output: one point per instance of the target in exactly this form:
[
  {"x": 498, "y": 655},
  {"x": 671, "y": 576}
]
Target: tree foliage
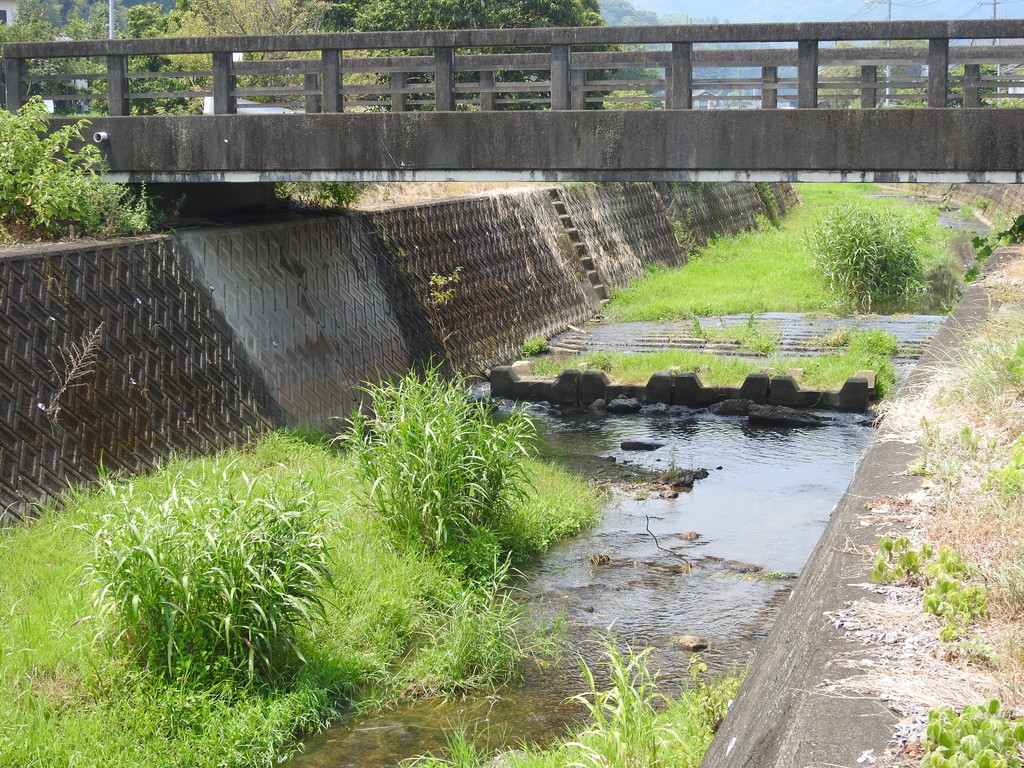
[
  {"x": 376, "y": 15},
  {"x": 52, "y": 182}
]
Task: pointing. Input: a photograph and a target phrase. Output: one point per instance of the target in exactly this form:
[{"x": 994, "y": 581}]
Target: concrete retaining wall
[
  {"x": 196, "y": 339},
  {"x": 785, "y": 715}
]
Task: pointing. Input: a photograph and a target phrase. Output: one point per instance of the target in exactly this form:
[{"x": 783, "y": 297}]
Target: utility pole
[
  {"x": 110, "y": 19},
  {"x": 889, "y": 67}
]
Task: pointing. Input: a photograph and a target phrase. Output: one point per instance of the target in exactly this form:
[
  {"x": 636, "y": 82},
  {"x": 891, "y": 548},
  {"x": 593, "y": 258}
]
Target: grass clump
[
  {"x": 396, "y": 621},
  {"x": 631, "y": 723},
  {"x": 211, "y": 586},
  {"x": 869, "y": 255},
  {"x": 441, "y": 472}
]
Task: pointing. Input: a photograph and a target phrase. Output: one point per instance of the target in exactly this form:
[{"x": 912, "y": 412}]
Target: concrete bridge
[{"x": 760, "y": 102}]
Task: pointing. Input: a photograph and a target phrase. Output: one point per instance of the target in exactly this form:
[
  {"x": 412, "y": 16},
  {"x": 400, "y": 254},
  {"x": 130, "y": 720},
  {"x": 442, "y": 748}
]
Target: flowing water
[{"x": 641, "y": 571}]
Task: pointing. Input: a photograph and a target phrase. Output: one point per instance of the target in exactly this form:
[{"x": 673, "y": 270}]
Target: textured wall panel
[
  {"x": 311, "y": 302},
  {"x": 167, "y": 376},
  {"x": 624, "y": 227},
  {"x": 520, "y": 275}
]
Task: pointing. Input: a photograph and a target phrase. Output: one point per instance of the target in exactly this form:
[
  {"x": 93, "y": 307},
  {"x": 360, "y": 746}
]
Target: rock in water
[
  {"x": 692, "y": 643},
  {"x": 640, "y": 445}
]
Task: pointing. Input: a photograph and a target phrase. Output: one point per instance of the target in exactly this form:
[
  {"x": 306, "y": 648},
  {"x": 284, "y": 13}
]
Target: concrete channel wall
[
  {"x": 785, "y": 715},
  {"x": 123, "y": 353}
]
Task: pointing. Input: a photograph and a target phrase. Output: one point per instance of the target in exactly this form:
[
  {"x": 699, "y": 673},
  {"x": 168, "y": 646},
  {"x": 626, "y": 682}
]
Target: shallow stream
[{"x": 756, "y": 518}]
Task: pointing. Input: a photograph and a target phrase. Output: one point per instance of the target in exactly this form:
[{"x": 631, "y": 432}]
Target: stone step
[{"x": 587, "y": 263}]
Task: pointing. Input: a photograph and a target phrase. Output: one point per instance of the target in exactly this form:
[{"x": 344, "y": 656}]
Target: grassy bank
[
  {"x": 764, "y": 270},
  {"x": 394, "y": 619}
]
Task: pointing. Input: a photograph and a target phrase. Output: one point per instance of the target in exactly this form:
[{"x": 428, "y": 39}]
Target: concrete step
[{"x": 587, "y": 263}]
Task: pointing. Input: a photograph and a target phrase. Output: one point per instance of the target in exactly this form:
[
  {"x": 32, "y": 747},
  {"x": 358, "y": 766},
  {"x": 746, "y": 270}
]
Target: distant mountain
[{"x": 621, "y": 13}]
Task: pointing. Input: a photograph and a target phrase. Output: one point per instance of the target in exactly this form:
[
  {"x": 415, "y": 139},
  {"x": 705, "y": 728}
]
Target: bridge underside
[{"x": 925, "y": 145}]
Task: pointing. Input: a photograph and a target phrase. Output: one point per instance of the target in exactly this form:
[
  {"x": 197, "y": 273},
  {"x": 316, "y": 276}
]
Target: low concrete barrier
[{"x": 583, "y": 387}]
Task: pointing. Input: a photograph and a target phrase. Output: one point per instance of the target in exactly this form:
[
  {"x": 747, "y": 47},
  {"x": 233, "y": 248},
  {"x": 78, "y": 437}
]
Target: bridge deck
[{"x": 698, "y": 102}]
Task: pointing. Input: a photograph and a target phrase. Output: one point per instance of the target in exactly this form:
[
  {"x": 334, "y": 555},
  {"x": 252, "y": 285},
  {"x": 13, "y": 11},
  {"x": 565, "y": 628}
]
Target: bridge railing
[{"x": 807, "y": 65}]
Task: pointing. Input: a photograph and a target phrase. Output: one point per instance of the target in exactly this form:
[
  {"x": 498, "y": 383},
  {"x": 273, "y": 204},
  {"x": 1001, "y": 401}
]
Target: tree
[{"x": 377, "y": 15}]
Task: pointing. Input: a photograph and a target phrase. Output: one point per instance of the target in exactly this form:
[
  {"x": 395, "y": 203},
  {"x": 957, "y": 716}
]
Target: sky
[{"x": 838, "y": 10}]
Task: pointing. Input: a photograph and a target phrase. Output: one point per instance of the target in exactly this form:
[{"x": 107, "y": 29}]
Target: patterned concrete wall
[
  {"x": 163, "y": 373},
  {"x": 316, "y": 306},
  {"x": 185, "y": 344},
  {"x": 624, "y": 227},
  {"x": 519, "y": 276}
]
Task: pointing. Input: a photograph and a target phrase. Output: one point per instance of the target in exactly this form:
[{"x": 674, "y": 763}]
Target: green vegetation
[
  {"x": 764, "y": 270},
  {"x": 819, "y": 372},
  {"x": 80, "y": 686},
  {"x": 631, "y": 722},
  {"x": 321, "y": 194},
  {"x": 753, "y": 337},
  {"x": 897, "y": 560},
  {"x": 53, "y": 189},
  {"x": 869, "y": 255},
  {"x": 946, "y": 592},
  {"x": 442, "y": 474},
  {"x": 979, "y": 737},
  {"x": 984, "y": 247},
  {"x": 211, "y": 586},
  {"x": 535, "y": 346}
]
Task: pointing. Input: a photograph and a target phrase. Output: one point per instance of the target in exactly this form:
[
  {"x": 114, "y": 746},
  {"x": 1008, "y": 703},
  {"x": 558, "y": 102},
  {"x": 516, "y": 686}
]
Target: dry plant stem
[{"x": 79, "y": 357}]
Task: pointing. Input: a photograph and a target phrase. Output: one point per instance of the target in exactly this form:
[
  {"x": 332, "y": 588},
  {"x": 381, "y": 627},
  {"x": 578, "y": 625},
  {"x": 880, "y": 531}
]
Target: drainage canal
[{"x": 713, "y": 561}]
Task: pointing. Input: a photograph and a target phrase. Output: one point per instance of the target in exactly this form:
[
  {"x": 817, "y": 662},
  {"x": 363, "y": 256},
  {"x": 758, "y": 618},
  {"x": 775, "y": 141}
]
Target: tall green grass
[
  {"x": 632, "y": 723},
  {"x": 868, "y": 255},
  {"x": 211, "y": 585},
  {"x": 396, "y": 622},
  {"x": 765, "y": 270},
  {"x": 441, "y": 471}
]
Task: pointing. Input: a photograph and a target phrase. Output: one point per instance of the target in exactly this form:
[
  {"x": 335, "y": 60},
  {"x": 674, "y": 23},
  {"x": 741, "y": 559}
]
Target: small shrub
[
  {"x": 211, "y": 587},
  {"x": 322, "y": 194},
  {"x": 868, "y": 254},
  {"x": 53, "y": 188},
  {"x": 898, "y": 560},
  {"x": 535, "y": 346},
  {"x": 440, "y": 471},
  {"x": 947, "y": 595},
  {"x": 976, "y": 738}
]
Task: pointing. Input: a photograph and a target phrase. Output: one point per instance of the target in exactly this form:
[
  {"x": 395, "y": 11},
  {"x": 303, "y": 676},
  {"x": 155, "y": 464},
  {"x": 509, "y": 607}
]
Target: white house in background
[{"x": 8, "y": 11}]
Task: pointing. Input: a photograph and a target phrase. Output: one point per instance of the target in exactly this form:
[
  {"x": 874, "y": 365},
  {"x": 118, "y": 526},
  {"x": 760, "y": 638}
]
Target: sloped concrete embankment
[
  {"x": 783, "y": 717},
  {"x": 121, "y": 354}
]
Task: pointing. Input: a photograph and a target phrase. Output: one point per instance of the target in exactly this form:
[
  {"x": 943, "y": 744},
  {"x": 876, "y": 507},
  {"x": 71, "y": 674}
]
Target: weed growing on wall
[
  {"x": 211, "y": 585},
  {"x": 53, "y": 186},
  {"x": 868, "y": 254},
  {"x": 441, "y": 472}
]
